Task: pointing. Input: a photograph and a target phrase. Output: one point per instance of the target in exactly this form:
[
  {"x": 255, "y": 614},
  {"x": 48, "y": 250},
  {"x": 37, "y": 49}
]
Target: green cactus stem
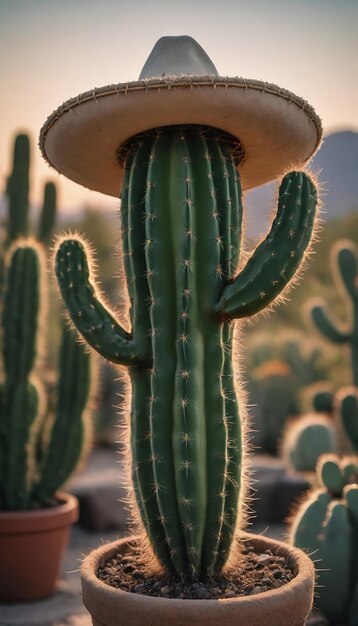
[
  {"x": 181, "y": 235},
  {"x": 345, "y": 271},
  {"x": 18, "y": 189},
  {"x": 20, "y": 397},
  {"x": 69, "y": 436},
  {"x": 48, "y": 213}
]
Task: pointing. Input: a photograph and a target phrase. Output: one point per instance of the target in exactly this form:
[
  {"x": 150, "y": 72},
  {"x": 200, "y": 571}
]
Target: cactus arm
[
  {"x": 88, "y": 313},
  {"x": 20, "y": 312},
  {"x": 327, "y": 327},
  {"x": 277, "y": 258},
  {"x": 70, "y": 430},
  {"x": 349, "y": 415},
  {"x": 48, "y": 214}
]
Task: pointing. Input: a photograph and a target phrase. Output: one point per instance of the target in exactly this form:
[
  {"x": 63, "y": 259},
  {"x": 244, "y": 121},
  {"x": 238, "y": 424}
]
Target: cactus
[
  {"x": 48, "y": 213},
  {"x": 18, "y": 189},
  {"x": 273, "y": 396},
  {"x": 345, "y": 272},
  {"x": 181, "y": 232},
  {"x": 306, "y": 439},
  {"x": 326, "y": 526},
  {"x": 346, "y": 416},
  {"x": 25, "y": 480}
]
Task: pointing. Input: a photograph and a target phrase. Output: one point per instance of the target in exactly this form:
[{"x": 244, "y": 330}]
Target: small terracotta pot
[
  {"x": 287, "y": 606},
  {"x": 32, "y": 544}
]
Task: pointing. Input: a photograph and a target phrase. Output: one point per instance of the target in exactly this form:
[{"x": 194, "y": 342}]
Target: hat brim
[{"x": 276, "y": 128}]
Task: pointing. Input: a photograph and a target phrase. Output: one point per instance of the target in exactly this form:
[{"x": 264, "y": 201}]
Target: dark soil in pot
[{"x": 258, "y": 573}]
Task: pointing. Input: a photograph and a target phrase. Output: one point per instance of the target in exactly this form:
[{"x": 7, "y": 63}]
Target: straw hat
[{"x": 179, "y": 85}]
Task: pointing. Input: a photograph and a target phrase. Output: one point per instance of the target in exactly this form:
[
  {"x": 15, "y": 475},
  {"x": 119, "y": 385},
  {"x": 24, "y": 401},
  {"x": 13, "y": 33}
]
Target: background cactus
[
  {"x": 17, "y": 191},
  {"x": 306, "y": 439},
  {"x": 345, "y": 272},
  {"x": 181, "y": 231},
  {"x": 346, "y": 418},
  {"x": 326, "y": 527},
  {"x": 36, "y": 457},
  {"x": 39, "y": 447}
]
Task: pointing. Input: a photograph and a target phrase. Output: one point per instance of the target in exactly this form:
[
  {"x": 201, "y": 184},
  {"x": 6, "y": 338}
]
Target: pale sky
[{"x": 52, "y": 50}]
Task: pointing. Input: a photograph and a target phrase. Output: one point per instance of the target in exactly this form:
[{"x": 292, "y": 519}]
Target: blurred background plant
[{"x": 45, "y": 428}]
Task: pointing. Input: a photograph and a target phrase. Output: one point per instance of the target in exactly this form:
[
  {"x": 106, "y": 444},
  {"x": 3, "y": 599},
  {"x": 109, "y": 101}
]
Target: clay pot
[
  {"x": 287, "y": 606},
  {"x": 32, "y": 544}
]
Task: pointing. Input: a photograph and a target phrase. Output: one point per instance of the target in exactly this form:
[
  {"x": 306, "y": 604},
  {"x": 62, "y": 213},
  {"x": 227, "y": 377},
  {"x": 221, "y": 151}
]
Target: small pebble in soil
[{"x": 258, "y": 573}]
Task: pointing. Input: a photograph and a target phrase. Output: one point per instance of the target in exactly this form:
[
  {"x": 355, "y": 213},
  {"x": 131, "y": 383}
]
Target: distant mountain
[{"x": 337, "y": 165}]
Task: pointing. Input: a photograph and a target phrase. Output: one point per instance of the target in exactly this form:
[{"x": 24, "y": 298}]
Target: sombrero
[{"x": 179, "y": 85}]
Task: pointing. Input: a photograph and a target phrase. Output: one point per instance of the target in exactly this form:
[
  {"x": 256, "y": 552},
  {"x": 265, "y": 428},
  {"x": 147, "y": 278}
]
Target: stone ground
[{"x": 102, "y": 520}]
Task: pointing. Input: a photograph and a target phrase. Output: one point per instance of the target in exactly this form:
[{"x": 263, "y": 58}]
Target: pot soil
[
  {"x": 288, "y": 604},
  {"x": 32, "y": 544}
]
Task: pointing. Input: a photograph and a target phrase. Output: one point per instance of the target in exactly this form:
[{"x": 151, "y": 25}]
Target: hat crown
[{"x": 177, "y": 56}]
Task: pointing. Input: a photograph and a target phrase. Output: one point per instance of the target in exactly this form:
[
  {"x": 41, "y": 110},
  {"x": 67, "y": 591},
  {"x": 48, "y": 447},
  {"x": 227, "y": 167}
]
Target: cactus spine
[
  {"x": 181, "y": 231},
  {"x": 345, "y": 271},
  {"x": 326, "y": 526}
]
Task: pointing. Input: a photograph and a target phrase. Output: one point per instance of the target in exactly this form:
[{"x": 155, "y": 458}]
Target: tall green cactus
[
  {"x": 27, "y": 481},
  {"x": 345, "y": 272},
  {"x": 181, "y": 235},
  {"x": 326, "y": 526},
  {"x": 346, "y": 414}
]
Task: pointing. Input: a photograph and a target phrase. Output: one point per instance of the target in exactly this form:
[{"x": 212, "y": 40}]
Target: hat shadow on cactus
[{"x": 181, "y": 223}]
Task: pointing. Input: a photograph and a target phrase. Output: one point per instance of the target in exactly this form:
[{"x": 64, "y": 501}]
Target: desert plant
[
  {"x": 326, "y": 526},
  {"x": 306, "y": 439},
  {"x": 344, "y": 257},
  {"x": 36, "y": 457},
  {"x": 181, "y": 229}
]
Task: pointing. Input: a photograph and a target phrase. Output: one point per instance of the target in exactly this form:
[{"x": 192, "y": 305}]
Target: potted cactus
[
  {"x": 178, "y": 145},
  {"x": 38, "y": 450}
]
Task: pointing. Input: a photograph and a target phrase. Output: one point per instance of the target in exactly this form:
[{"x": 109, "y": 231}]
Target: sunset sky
[{"x": 51, "y": 51}]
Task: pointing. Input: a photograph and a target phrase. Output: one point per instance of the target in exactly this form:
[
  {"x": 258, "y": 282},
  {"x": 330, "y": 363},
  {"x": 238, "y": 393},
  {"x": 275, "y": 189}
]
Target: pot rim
[
  {"x": 18, "y": 522},
  {"x": 300, "y": 587}
]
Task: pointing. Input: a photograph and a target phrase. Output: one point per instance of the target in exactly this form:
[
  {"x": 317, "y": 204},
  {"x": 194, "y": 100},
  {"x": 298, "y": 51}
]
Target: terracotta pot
[
  {"x": 287, "y": 606},
  {"x": 32, "y": 544}
]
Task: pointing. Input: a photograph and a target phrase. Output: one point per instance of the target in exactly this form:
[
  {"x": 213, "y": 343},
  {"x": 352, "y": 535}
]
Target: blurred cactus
[
  {"x": 345, "y": 272},
  {"x": 273, "y": 398},
  {"x": 17, "y": 192},
  {"x": 346, "y": 418},
  {"x": 18, "y": 189},
  {"x": 181, "y": 226},
  {"x": 31, "y": 471},
  {"x": 317, "y": 397},
  {"x": 306, "y": 439},
  {"x": 326, "y": 527},
  {"x": 48, "y": 214}
]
